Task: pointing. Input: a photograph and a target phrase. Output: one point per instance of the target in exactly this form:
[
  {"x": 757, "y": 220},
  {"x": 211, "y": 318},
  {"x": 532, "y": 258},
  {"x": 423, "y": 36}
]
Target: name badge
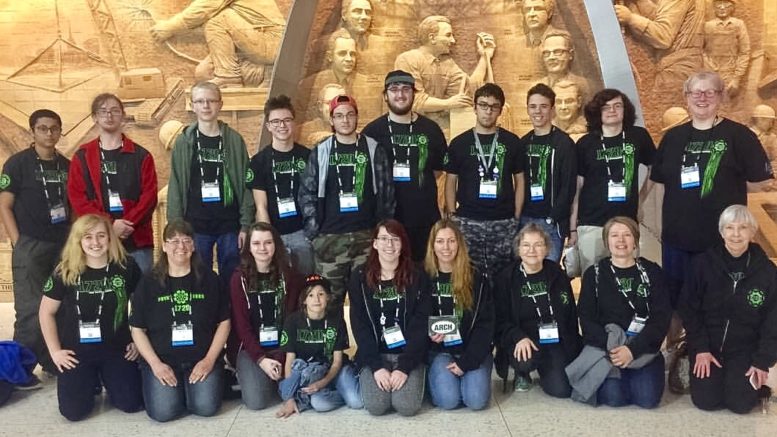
[
  {"x": 548, "y": 333},
  {"x": 451, "y": 340},
  {"x": 348, "y": 202},
  {"x": 401, "y": 173},
  {"x": 114, "y": 202},
  {"x": 636, "y": 326},
  {"x": 58, "y": 214},
  {"x": 183, "y": 335},
  {"x": 393, "y": 337},
  {"x": 211, "y": 192},
  {"x": 286, "y": 208},
  {"x": 89, "y": 332},
  {"x": 537, "y": 193},
  {"x": 268, "y": 336},
  {"x": 616, "y": 192},
  {"x": 487, "y": 190},
  {"x": 689, "y": 177}
]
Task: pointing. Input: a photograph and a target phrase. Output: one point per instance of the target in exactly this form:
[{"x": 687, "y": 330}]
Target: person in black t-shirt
[
  {"x": 274, "y": 177},
  {"x": 485, "y": 178},
  {"x": 35, "y": 212},
  {"x": 551, "y": 170},
  {"x": 313, "y": 341},
  {"x": 83, "y": 317},
  {"x": 180, "y": 323},
  {"x": 608, "y": 160},
  {"x": 415, "y": 147}
]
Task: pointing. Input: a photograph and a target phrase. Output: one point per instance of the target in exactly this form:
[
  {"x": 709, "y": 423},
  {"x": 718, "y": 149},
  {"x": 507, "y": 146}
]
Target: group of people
[{"x": 431, "y": 288}]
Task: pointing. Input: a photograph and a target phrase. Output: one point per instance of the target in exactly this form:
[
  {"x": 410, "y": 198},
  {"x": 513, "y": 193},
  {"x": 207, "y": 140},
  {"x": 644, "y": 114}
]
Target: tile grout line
[
  {"x": 502, "y": 415},
  {"x": 234, "y": 419}
]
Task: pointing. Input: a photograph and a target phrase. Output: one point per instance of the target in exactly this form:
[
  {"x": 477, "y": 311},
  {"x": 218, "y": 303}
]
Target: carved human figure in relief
[
  {"x": 536, "y": 20},
  {"x": 319, "y": 127},
  {"x": 376, "y": 52},
  {"x": 727, "y": 45},
  {"x": 762, "y": 123},
  {"x": 557, "y": 57},
  {"x": 569, "y": 105},
  {"x": 243, "y": 37}
]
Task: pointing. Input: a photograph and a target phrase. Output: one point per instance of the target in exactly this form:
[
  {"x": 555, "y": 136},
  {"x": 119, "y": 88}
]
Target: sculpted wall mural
[{"x": 59, "y": 54}]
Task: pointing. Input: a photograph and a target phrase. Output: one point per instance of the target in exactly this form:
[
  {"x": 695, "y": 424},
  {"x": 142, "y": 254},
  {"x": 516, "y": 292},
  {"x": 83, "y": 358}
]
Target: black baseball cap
[{"x": 399, "y": 76}]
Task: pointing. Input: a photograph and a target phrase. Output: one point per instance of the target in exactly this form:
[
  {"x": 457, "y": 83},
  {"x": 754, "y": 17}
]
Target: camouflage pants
[
  {"x": 489, "y": 242},
  {"x": 336, "y": 255}
]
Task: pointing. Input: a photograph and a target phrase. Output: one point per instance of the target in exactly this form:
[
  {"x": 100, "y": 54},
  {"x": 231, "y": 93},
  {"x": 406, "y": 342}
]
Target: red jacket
[{"x": 137, "y": 186}]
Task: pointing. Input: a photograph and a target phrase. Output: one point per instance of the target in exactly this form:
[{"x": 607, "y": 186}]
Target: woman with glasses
[
  {"x": 607, "y": 171},
  {"x": 460, "y": 362},
  {"x": 264, "y": 291},
  {"x": 390, "y": 305},
  {"x": 113, "y": 176},
  {"x": 83, "y": 317},
  {"x": 536, "y": 318},
  {"x": 180, "y": 323}
]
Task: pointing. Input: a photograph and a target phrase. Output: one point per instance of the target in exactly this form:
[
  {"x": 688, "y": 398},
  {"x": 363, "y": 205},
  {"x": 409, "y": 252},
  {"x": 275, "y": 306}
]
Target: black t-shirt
[
  {"x": 216, "y": 217},
  {"x": 622, "y": 155},
  {"x": 535, "y": 297},
  {"x": 23, "y": 176},
  {"x": 419, "y": 146},
  {"x": 386, "y": 302},
  {"x": 549, "y": 165},
  {"x": 443, "y": 304},
  {"x": 314, "y": 340},
  {"x": 265, "y": 303},
  {"x": 96, "y": 288},
  {"x": 155, "y": 308},
  {"x": 728, "y": 156},
  {"x": 464, "y": 161},
  {"x": 272, "y": 171},
  {"x": 350, "y": 171}
]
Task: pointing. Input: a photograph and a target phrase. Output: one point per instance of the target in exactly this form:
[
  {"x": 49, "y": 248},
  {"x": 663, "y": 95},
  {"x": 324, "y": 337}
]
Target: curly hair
[{"x": 593, "y": 109}]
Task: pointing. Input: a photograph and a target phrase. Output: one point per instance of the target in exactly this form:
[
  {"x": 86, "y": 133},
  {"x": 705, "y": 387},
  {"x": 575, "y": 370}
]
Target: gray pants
[
  {"x": 490, "y": 242},
  {"x": 256, "y": 388},
  {"x": 406, "y": 401},
  {"x": 32, "y": 263}
]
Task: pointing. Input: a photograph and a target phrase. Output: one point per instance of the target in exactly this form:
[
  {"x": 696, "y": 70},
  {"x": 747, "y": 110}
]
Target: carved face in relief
[
  {"x": 556, "y": 55},
  {"x": 568, "y": 103},
  {"x": 326, "y": 95},
  {"x": 343, "y": 59},
  {"x": 536, "y": 15},
  {"x": 444, "y": 39},
  {"x": 357, "y": 16},
  {"x": 723, "y": 8}
]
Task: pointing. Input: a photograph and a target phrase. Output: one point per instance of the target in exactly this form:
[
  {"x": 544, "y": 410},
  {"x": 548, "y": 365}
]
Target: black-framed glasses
[
  {"x": 483, "y": 106},
  {"x": 277, "y": 122}
]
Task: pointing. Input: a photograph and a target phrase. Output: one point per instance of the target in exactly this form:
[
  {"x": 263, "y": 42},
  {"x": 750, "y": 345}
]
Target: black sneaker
[{"x": 32, "y": 384}]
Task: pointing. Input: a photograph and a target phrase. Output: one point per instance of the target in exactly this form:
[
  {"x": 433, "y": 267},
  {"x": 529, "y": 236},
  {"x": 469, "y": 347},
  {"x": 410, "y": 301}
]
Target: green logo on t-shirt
[
  {"x": 284, "y": 338},
  {"x": 564, "y": 298},
  {"x": 48, "y": 285},
  {"x": 300, "y": 164},
  {"x": 249, "y": 176},
  {"x": 5, "y": 181},
  {"x": 755, "y": 298},
  {"x": 181, "y": 297}
]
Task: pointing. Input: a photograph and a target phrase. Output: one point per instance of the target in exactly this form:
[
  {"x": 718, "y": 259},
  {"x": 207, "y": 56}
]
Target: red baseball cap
[{"x": 342, "y": 100}]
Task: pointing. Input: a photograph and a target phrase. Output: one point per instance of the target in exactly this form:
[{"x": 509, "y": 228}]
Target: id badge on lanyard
[
  {"x": 89, "y": 332},
  {"x": 487, "y": 190},
  {"x": 268, "y": 337},
  {"x": 537, "y": 193},
  {"x": 616, "y": 192},
  {"x": 114, "y": 201},
  {"x": 548, "y": 333},
  {"x": 211, "y": 192},
  {"x": 689, "y": 176},
  {"x": 58, "y": 213},
  {"x": 401, "y": 172},
  {"x": 286, "y": 208},
  {"x": 183, "y": 335},
  {"x": 636, "y": 326},
  {"x": 393, "y": 337},
  {"x": 348, "y": 202}
]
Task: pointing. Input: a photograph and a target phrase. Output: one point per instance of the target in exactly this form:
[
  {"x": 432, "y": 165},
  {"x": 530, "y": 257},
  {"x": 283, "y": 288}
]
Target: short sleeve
[
  {"x": 257, "y": 178},
  {"x": 657, "y": 173},
  {"x": 582, "y": 155},
  {"x": 453, "y": 159},
  {"x": 225, "y": 310},
  {"x": 647, "y": 148},
  {"x": 751, "y": 157},
  {"x": 289, "y": 332},
  {"x": 133, "y": 275},
  {"x": 11, "y": 178},
  {"x": 342, "y": 336},
  {"x": 54, "y": 288},
  {"x": 437, "y": 148},
  {"x": 137, "y": 316},
  {"x": 519, "y": 156}
]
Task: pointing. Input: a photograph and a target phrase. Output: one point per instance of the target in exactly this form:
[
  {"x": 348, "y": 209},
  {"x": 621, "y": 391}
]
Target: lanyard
[
  {"x": 534, "y": 299},
  {"x": 439, "y": 298},
  {"x": 607, "y": 158},
  {"x": 309, "y": 327},
  {"x": 199, "y": 158},
  {"x": 382, "y": 314},
  {"x": 690, "y": 138},
  {"x": 290, "y": 172},
  {"x": 539, "y": 160},
  {"x": 337, "y": 165},
  {"x": 645, "y": 280},
  {"x": 45, "y": 182},
  {"x": 281, "y": 286},
  {"x": 104, "y": 167},
  {"x": 486, "y": 160},
  {"x": 103, "y": 289},
  {"x": 395, "y": 146}
]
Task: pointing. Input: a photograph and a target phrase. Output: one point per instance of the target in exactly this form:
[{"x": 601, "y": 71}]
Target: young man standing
[
  {"x": 274, "y": 179},
  {"x": 415, "y": 147},
  {"x": 485, "y": 176},
  {"x": 346, "y": 189},
  {"x": 35, "y": 212},
  {"x": 207, "y": 182},
  {"x": 551, "y": 170}
]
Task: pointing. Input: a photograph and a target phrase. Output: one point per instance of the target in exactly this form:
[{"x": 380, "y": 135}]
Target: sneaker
[
  {"x": 523, "y": 383},
  {"x": 32, "y": 384}
]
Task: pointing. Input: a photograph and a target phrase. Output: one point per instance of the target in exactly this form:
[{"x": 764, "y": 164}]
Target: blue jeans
[
  {"x": 348, "y": 386},
  {"x": 165, "y": 403},
  {"x": 676, "y": 263},
  {"x": 302, "y": 375},
  {"x": 556, "y": 240},
  {"x": 301, "y": 251},
  {"x": 144, "y": 258},
  {"x": 226, "y": 252},
  {"x": 448, "y": 391},
  {"x": 642, "y": 387}
]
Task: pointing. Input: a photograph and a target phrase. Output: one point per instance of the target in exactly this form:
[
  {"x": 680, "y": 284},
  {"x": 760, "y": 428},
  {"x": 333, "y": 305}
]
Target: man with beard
[{"x": 415, "y": 147}]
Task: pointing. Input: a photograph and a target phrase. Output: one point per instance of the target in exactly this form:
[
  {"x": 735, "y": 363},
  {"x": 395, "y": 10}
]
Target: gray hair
[
  {"x": 737, "y": 214},
  {"x": 531, "y": 228},
  {"x": 712, "y": 76}
]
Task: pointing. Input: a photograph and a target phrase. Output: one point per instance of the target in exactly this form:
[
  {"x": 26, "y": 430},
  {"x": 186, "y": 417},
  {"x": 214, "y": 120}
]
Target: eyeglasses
[
  {"x": 105, "y": 113},
  {"x": 341, "y": 117},
  {"x": 613, "y": 107},
  {"x": 280, "y": 121},
  {"x": 706, "y": 93},
  {"x": 385, "y": 239},
  {"x": 185, "y": 242},
  {"x": 203, "y": 102},
  {"x": 556, "y": 52},
  {"x": 483, "y": 106},
  {"x": 54, "y": 130},
  {"x": 399, "y": 89},
  {"x": 527, "y": 247}
]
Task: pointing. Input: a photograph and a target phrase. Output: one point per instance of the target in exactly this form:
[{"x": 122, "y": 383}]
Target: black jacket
[
  {"x": 722, "y": 315},
  {"x": 477, "y": 327},
  {"x": 610, "y": 306},
  {"x": 417, "y": 307}
]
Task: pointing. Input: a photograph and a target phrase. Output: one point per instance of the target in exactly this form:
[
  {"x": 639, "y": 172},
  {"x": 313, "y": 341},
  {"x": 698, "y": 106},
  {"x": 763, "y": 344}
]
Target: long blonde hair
[
  {"x": 463, "y": 273},
  {"x": 73, "y": 261}
]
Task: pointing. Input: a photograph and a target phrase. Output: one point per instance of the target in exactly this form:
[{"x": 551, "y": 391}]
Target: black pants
[
  {"x": 549, "y": 362},
  {"x": 418, "y": 237},
  {"x": 6, "y": 388},
  {"x": 726, "y": 387}
]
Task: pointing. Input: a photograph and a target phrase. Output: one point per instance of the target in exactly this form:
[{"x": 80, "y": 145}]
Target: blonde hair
[
  {"x": 73, "y": 261},
  {"x": 463, "y": 273}
]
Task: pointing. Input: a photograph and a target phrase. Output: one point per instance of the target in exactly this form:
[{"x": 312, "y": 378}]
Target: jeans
[
  {"x": 302, "y": 375},
  {"x": 642, "y": 387},
  {"x": 448, "y": 391},
  {"x": 406, "y": 401},
  {"x": 226, "y": 252},
  {"x": 165, "y": 403},
  {"x": 556, "y": 240},
  {"x": 144, "y": 258},
  {"x": 301, "y": 251},
  {"x": 121, "y": 379},
  {"x": 550, "y": 362},
  {"x": 348, "y": 386},
  {"x": 726, "y": 387},
  {"x": 256, "y": 388}
]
